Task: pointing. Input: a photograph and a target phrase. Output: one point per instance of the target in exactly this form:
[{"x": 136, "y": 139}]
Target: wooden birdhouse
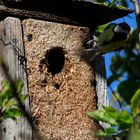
[{"x": 60, "y": 83}]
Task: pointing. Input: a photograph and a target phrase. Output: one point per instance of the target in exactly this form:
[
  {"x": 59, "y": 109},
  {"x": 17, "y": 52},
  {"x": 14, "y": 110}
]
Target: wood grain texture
[
  {"x": 11, "y": 32},
  {"x": 101, "y": 84}
]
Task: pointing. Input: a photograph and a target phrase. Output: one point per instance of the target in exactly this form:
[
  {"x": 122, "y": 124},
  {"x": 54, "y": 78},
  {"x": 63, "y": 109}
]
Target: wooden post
[{"x": 12, "y": 47}]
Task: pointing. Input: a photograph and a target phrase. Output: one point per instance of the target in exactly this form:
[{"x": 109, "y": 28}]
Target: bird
[{"x": 114, "y": 37}]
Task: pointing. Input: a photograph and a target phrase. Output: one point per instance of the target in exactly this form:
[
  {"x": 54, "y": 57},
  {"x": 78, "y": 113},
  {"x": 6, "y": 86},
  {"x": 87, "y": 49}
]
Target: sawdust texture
[{"x": 61, "y": 98}]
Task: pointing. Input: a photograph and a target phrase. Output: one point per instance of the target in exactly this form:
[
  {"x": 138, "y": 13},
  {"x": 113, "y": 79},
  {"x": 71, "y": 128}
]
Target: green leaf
[
  {"x": 134, "y": 135},
  {"x": 124, "y": 3},
  {"x": 5, "y": 83},
  {"x": 23, "y": 98},
  {"x": 107, "y": 132},
  {"x": 134, "y": 65},
  {"x": 111, "y": 112},
  {"x": 125, "y": 120},
  {"x": 133, "y": 38},
  {"x": 101, "y": 28},
  {"x": 135, "y": 102},
  {"x": 102, "y": 115},
  {"x": 19, "y": 86},
  {"x": 12, "y": 113},
  {"x": 127, "y": 88},
  {"x": 117, "y": 66},
  {"x": 3, "y": 97},
  {"x": 6, "y": 88},
  {"x": 10, "y": 103},
  {"x": 5, "y": 92}
]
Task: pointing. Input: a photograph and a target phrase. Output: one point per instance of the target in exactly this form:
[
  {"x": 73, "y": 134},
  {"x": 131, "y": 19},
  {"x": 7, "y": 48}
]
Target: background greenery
[{"x": 125, "y": 71}]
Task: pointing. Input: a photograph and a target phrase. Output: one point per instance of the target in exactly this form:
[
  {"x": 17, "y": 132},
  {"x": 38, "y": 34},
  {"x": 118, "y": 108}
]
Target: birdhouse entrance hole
[{"x": 55, "y": 60}]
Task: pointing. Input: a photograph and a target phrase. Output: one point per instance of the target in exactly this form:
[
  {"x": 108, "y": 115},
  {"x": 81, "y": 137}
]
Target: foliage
[
  {"x": 125, "y": 66},
  {"x": 9, "y": 107},
  {"x": 101, "y": 28},
  {"x": 135, "y": 103},
  {"x": 122, "y": 4},
  {"x": 125, "y": 69},
  {"x": 123, "y": 124}
]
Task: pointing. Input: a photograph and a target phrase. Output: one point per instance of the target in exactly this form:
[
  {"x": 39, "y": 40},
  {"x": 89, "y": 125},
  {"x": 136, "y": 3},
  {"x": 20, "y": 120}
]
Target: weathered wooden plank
[
  {"x": 101, "y": 84},
  {"x": 12, "y": 47}
]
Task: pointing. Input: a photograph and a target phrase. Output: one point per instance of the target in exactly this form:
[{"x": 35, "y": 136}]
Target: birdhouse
[{"x": 61, "y": 85}]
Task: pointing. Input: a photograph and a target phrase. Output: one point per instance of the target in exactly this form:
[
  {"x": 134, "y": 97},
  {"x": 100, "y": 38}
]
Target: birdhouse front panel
[{"x": 60, "y": 81}]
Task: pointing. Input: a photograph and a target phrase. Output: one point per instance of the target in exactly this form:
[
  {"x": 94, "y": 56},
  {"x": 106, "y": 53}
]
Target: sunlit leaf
[
  {"x": 101, "y": 28},
  {"x": 12, "y": 113},
  {"x": 135, "y": 102},
  {"x": 22, "y": 98},
  {"x": 107, "y": 132},
  {"x": 112, "y": 112},
  {"x": 5, "y": 83},
  {"x": 138, "y": 46},
  {"x": 102, "y": 115},
  {"x": 19, "y": 86},
  {"x": 125, "y": 120},
  {"x": 133, "y": 38},
  {"x": 10, "y": 103},
  {"x": 5, "y": 92},
  {"x": 134, "y": 135},
  {"x": 3, "y": 96}
]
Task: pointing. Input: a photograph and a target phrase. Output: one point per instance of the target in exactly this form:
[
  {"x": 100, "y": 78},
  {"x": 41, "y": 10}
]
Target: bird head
[{"x": 122, "y": 27}]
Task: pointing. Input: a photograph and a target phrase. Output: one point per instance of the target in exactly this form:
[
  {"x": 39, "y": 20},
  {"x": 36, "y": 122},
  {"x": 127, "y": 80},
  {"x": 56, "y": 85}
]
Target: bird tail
[
  {"x": 90, "y": 54},
  {"x": 94, "y": 56}
]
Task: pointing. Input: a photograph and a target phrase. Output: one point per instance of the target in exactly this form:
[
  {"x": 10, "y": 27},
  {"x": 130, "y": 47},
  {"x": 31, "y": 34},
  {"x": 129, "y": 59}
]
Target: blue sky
[{"x": 131, "y": 20}]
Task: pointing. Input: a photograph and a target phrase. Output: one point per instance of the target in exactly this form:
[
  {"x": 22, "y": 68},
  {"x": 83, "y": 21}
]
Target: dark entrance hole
[
  {"x": 55, "y": 60},
  {"x": 57, "y": 86}
]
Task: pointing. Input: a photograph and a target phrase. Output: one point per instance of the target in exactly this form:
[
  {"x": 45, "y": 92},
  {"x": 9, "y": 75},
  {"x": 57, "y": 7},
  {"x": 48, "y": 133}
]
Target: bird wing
[
  {"x": 106, "y": 36},
  {"x": 113, "y": 46}
]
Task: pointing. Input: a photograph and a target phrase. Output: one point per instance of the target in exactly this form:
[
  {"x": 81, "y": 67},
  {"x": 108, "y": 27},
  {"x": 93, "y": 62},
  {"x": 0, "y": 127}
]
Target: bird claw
[{"x": 91, "y": 43}]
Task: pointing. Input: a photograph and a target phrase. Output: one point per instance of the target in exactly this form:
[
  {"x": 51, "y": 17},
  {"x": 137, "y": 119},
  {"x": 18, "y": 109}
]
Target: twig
[{"x": 115, "y": 97}]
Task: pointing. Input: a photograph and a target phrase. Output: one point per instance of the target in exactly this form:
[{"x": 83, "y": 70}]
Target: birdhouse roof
[{"x": 75, "y": 12}]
